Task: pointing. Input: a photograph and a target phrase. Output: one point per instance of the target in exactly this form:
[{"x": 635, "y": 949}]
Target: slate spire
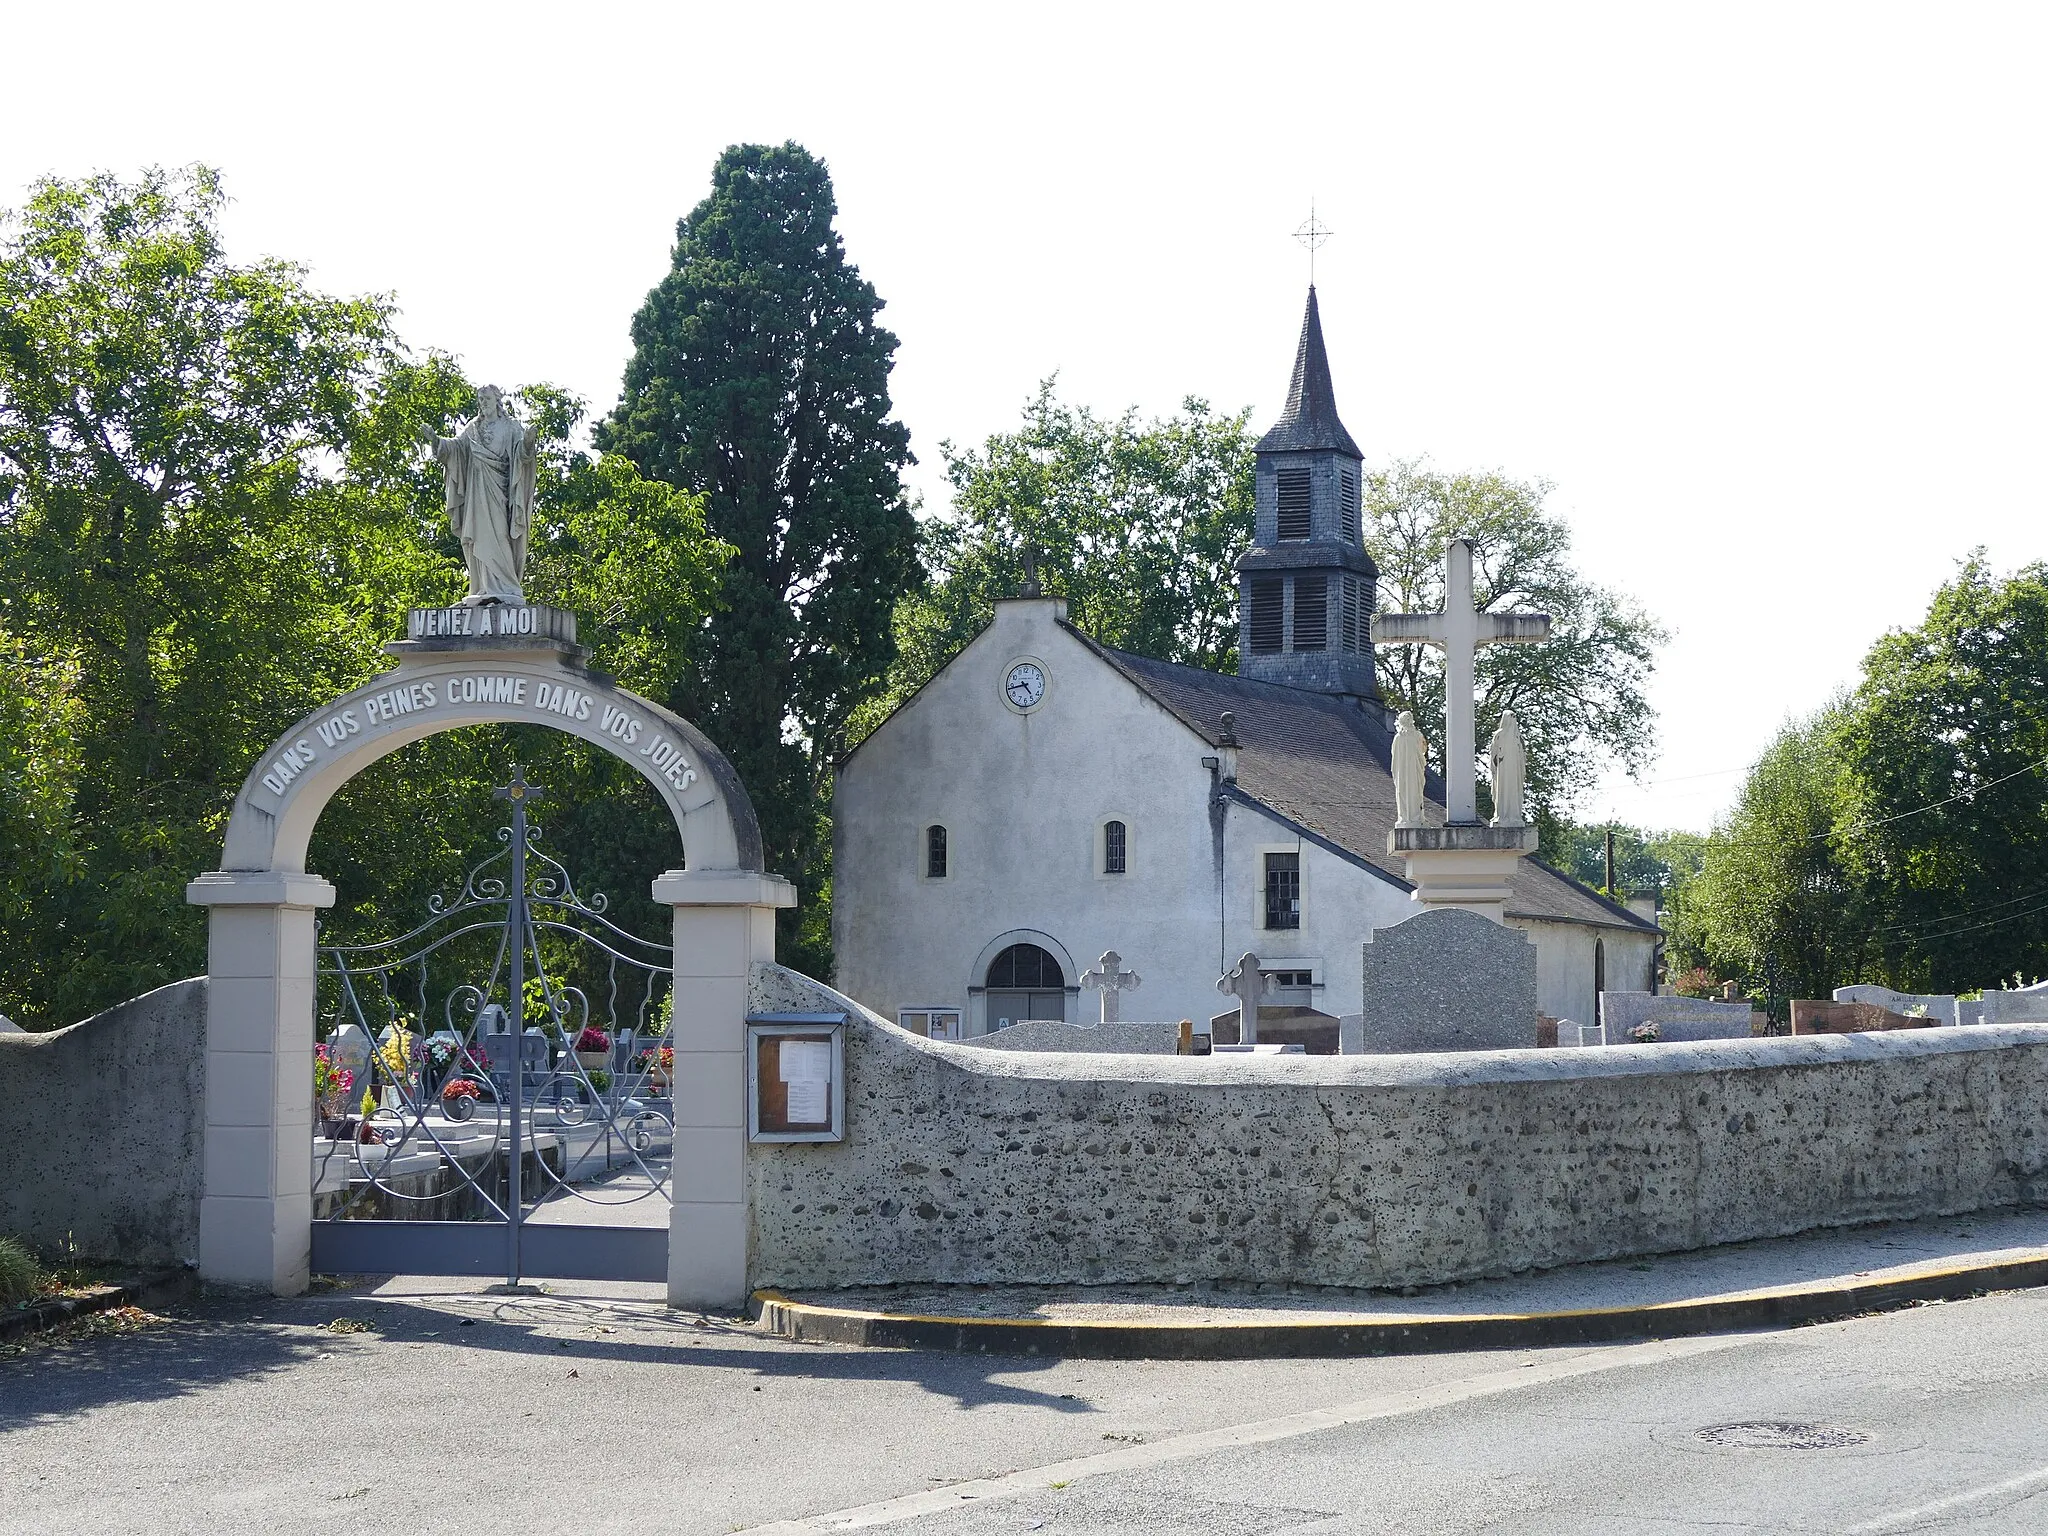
[{"x": 1310, "y": 420}]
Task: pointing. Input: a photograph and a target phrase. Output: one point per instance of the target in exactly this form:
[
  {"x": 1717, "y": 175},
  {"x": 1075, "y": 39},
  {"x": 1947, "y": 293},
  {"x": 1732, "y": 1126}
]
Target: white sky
[{"x": 1758, "y": 287}]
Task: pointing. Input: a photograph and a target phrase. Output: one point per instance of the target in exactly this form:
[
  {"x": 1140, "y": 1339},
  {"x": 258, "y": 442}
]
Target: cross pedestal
[
  {"x": 1464, "y": 863},
  {"x": 1466, "y": 866}
]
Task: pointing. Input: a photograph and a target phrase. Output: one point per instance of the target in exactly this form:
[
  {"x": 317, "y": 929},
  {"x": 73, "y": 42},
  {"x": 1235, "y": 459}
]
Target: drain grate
[{"x": 1782, "y": 1435}]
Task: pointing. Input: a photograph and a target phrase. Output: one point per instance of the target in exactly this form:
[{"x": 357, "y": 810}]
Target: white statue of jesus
[
  {"x": 1507, "y": 760},
  {"x": 489, "y": 472},
  {"x": 1410, "y": 765}
]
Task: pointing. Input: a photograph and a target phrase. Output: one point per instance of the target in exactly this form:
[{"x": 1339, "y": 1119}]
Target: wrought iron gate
[{"x": 492, "y": 1087}]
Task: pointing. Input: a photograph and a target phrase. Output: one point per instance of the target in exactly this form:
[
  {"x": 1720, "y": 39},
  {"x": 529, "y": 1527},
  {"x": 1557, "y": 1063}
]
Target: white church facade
[{"x": 1045, "y": 799}]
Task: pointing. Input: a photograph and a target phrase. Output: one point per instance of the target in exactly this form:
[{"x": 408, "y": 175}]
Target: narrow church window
[
  {"x": 935, "y": 853},
  {"x": 1311, "y": 613},
  {"x": 1112, "y": 847},
  {"x": 1294, "y": 503},
  {"x": 1354, "y": 631},
  {"x": 1269, "y": 597},
  {"x": 1348, "y": 489},
  {"x": 1283, "y": 890}
]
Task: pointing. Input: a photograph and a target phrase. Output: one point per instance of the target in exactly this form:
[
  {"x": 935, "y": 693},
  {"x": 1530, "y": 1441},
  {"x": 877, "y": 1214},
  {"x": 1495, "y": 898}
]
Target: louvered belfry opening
[
  {"x": 1269, "y": 608},
  {"x": 1295, "y": 503},
  {"x": 1311, "y": 613}
]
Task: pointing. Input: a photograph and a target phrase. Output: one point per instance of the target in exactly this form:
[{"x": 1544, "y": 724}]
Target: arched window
[
  {"x": 1115, "y": 842},
  {"x": 1025, "y": 982},
  {"x": 935, "y": 853}
]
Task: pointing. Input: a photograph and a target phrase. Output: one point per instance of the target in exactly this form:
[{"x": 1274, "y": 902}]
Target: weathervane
[{"x": 1313, "y": 234}]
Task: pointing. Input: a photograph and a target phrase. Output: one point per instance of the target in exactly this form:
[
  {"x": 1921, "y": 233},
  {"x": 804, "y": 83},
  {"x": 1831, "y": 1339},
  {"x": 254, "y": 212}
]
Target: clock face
[{"x": 1025, "y": 685}]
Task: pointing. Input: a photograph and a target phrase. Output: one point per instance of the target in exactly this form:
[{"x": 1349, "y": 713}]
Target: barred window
[
  {"x": 1354, "y": 618},
  {"x": 1268, "y": 597},
  {"x": 1283, "y": 890},
  {"x": 1294, "y": 503},
  {"x": 1347, "y": 483},
  {"x": 1311, "y": 613},
  {"x": 935, "y": 853},
  {"x": 1114, "y": 843}
]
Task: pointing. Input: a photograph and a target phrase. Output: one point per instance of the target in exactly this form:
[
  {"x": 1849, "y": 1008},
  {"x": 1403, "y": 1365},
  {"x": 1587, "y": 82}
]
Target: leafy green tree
[
  {"x": 1774, "y": 901},
  {"x": 213, "y": 514},
  {"x": 761, "y": 378},
  {"x": 1578, "y": 698},
  {"x": 1138, "y": 525},
  {"x": 1945, "y": 748}
]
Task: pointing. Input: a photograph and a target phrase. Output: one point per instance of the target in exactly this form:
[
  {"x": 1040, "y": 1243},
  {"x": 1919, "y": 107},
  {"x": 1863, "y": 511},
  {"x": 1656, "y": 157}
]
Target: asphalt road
[{"x": 572, "y": 1413}]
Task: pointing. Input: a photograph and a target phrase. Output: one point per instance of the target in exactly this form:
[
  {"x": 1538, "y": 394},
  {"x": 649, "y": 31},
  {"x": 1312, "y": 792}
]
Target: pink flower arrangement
[
  {"x": 593, "y": 1039},
  {"x": 458, "y": 1088},
  {"x": 329, "y": 1081}
]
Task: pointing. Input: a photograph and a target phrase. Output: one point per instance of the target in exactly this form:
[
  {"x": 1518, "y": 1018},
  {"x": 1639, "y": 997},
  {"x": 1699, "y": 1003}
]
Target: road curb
[
  {"x": 806, "y": 1322},
  {"x": 148, "y": 1290}
]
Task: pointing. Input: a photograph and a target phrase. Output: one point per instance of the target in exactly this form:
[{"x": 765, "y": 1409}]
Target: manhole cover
[{"x": 1782, "y": 1435}]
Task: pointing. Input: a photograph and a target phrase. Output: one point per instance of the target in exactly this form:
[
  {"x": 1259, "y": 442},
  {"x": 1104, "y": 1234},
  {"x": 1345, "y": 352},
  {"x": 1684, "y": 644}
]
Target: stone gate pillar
[
  {"x": 724, "y": 922},
  {"x": 256, "y": 1203}
]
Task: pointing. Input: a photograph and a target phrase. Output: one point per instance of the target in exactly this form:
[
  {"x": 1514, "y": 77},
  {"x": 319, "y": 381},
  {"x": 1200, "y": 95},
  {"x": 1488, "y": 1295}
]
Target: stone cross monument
[
  {"x": 1247, "y": 985},
  {"x": 1465, "y": 864},
  {"x": 1111, "y": 979}
]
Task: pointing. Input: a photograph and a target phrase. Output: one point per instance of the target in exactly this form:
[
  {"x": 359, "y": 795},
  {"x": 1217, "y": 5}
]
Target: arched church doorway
[{"x": 1025, "y": 982}]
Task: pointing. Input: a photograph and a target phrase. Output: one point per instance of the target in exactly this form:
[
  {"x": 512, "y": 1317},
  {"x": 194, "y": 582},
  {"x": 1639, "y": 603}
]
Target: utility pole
[{"x": 1610, "y": 866}]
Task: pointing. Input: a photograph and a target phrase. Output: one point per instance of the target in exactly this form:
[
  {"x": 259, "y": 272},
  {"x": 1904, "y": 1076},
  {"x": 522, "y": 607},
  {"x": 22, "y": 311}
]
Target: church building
[{"x": 1044, "y": 799}]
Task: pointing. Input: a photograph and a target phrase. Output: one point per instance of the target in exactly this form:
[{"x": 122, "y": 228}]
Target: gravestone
[
  {"x": 1942, "y": 1007},
  {"x": 2021, "y": 1005},
  {"x": 1247, "y": 983},
  {"x": 1112, "y": 981},
  {"x": 1130, "y": 1037},
  {"x": 1449, "y": 980},
  {"x": 1676, "y": 1018}
]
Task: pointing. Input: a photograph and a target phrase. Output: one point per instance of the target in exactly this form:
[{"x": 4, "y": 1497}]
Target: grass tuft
[{"x": 21, "y": 1277}]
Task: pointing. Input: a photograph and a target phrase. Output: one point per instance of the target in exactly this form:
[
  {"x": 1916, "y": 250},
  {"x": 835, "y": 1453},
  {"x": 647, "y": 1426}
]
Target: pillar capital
[
  {"x": 723, "y": 888},
  {"x": 259, "y": 888}
]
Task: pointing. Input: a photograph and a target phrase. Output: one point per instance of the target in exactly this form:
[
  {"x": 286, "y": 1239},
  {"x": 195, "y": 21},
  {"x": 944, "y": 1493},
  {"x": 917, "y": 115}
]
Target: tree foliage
[
  {"x": 1579, "y": 698},
  {"x": 1137, "y": 524},
  {"x": 760, "y": 377},
  {"x": 213, "y": 514},
  {"x": 1899, "y": 835}
]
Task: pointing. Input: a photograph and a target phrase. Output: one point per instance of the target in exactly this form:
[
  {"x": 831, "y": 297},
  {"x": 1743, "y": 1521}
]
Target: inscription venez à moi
[{"x": 545, "y": 699}]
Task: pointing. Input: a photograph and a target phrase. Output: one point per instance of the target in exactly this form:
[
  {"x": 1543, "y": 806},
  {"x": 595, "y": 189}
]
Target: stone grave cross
[
  {"x": 1247, "y": 985},
  {"x": 1460, "y": 630},
  {"x": 1111, "y": 979}
]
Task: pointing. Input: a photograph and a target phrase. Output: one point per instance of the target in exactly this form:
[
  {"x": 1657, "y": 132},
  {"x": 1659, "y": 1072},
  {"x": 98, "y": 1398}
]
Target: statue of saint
[
  {"x": 1411, "y": 767},
  {"x": 489, "y": 470},
  {"x": 1507, "y": 761}
]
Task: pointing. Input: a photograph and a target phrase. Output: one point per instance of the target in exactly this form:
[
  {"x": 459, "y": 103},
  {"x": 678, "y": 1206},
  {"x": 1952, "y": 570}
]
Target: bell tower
[{"x": 1306, "y": 587}]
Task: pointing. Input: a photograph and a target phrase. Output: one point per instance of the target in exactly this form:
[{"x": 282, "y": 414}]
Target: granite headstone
[{"x": 1449, "y": 980}]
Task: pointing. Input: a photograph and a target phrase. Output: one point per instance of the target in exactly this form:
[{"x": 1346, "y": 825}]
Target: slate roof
[
  {"x": 1310, "y": 419},
  {"x": 1322, "y": 763}
]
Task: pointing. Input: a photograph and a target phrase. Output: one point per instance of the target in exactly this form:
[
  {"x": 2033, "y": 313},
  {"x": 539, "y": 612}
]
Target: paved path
[{"x": 599, "y": 1411}]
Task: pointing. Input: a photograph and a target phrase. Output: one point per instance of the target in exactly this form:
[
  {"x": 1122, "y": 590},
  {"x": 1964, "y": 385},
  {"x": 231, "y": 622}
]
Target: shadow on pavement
[{"x": 219, "y": 1340}]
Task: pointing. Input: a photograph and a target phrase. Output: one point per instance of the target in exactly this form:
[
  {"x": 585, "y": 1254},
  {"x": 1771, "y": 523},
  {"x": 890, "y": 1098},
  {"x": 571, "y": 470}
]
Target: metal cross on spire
[{"x": 1315, "y": 235}]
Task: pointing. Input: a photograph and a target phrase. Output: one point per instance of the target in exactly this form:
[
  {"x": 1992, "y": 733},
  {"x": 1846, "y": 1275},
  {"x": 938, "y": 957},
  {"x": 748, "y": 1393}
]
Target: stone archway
[{"x": 256, "y": 1209}]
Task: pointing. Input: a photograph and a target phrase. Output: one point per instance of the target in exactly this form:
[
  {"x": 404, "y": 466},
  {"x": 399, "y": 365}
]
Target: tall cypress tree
[{"x": 760, "y": 378}]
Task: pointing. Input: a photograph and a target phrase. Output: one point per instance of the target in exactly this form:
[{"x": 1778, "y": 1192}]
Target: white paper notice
[{"x": 806, "y": 1067}]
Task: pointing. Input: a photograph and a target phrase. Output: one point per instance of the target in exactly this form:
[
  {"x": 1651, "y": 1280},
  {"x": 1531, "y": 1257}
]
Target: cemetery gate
[{"x": 493, "y": 1085}]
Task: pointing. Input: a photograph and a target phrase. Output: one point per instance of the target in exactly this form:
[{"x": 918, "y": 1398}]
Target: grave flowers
[
  {"x": 593, "y": 1049},
  {"x": 658, "y": 1064},
  {"x": 458, "y": 1098},
  {"x": 1646, "y": 1033},
  {"x": 331, "y": 1085}
]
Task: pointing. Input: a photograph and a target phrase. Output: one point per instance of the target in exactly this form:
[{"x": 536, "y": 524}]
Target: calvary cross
[
  {"x": 1460, "y": 630},
  {"x": 1111, "y": 978}
]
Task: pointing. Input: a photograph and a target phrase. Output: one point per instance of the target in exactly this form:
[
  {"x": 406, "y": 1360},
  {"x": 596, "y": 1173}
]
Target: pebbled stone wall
[
  {"x": 966, "y": 1165},
  {"x": 100, "y": 1130}
]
